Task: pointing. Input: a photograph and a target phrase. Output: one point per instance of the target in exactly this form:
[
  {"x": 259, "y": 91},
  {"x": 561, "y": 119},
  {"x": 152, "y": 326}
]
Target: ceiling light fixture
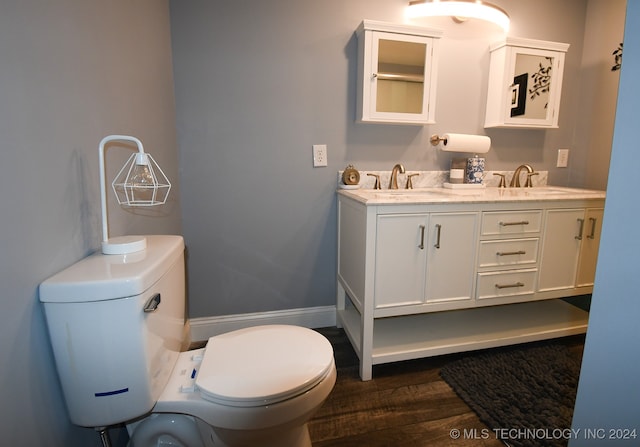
[
  {"x": 140, "y": 182},
  {"x": 459, "y": 10}
]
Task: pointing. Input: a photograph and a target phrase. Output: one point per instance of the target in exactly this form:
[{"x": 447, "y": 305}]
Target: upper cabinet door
[
  {"x": 525, "y": 83},
  {"x": 396, "y": 73}
]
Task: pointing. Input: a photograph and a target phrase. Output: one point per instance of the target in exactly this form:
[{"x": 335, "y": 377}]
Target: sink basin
[
  {"x": 553, "y": 190},
  {"x": 411, "y": 192},
  {"x": 538, "y": 191},
  {"x": 407, "y": 192},
  {"x": 405, "y": 195}
]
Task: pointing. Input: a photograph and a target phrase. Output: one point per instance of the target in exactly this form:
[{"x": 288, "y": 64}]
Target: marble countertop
[{"x": 439, "y": 195}]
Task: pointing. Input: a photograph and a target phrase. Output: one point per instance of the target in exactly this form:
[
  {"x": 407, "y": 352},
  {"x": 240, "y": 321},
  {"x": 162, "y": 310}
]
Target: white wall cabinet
[
  {"x": 397, "y": 71},
  {"x": 417, "y": 280},
  {"x": 525, "y": 83}
]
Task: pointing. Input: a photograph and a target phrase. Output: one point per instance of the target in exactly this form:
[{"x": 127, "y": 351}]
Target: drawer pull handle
[
  {"x": 511, "y": 253},
  {"x": 508, "y": 286},
  {"x": 439, "y": 230},
  {"x": 579, "y": 236},
  {"x": 508, "y": 224},
  {"x": 593, "y": 221},
  {"x": 421, "y": 246}
]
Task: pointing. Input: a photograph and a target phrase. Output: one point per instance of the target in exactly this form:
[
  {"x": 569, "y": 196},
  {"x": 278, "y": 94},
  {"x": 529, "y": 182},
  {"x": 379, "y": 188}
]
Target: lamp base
[{"x": 124, "y": 245}]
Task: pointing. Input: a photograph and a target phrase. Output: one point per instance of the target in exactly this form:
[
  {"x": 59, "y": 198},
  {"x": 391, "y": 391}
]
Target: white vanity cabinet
[
  {"x": 508, "y": 259},
  {"x": 525, "y": 83},
  {"x": 570, "y": 248},
  {"x": 396, "y": 73},
  {"x": 415, "y": 255},
  {"x": 423, "y": 279}
]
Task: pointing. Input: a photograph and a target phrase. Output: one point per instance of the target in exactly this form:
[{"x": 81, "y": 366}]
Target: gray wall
[
  {"x": 256, "y": 87},
  {"x": 608, "y": 393},
  {"x": 598, "y": 92},
  {"x": 72, "y": 72},
  {"x": 261, "y": 225}
]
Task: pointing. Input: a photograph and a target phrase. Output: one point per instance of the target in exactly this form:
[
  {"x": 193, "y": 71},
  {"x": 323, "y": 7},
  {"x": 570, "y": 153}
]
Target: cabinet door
[
  {"x": 525, "y": 83},
  {"x": 563, "y": 233},
  {"x": 451, "y": 256},
  {"x": 533, "y": 97},
  {"x": 396, "y": 80},
  {"x": 400, "y": 259},
  {"x": 590, "y": 245}
]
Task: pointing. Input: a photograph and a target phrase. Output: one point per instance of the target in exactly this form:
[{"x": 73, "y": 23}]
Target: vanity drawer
[
  {"x": 509, "y": 283},
  {"x": 511, "y": 222},
  {"x": 508, "y": 252}
]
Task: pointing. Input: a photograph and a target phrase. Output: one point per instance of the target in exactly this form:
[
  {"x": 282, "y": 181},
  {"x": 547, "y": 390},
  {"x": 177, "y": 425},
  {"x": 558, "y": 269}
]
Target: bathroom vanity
[{"x": 433, "y": 271}]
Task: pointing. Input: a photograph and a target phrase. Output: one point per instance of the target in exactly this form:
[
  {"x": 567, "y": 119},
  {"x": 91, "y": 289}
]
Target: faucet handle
[
  {"x": 503, "y": 183},
  {"x": 409, "y": 184},
  {"x": 528, "y": 183},
  {"x": 377, "y": 181}
]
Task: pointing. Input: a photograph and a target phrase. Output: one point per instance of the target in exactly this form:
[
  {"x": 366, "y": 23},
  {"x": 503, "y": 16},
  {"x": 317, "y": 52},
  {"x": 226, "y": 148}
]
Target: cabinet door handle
[
  {"x": 579, "y": 236},
  {"x": 593, "y": 221},
  {"x": 511, "y": 253},
  {"x": 507, "y": 224},
  {"x": 438, "y": 232},
  {"x": 508, "y": 286},
  {"x": 421, "y": 246}
]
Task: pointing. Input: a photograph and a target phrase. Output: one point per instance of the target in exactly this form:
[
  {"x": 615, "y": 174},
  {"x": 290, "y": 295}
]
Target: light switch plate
[
  {"x": 319, "y": 155},
  {"x": 563, "y": 158}
]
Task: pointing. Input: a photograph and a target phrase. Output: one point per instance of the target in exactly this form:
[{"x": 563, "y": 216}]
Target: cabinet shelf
[{"x": 431, "y": 334}]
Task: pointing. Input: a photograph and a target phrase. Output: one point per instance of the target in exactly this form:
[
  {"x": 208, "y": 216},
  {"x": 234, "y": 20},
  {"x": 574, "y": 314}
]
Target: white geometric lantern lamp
[{"x": 140, "y": 182}]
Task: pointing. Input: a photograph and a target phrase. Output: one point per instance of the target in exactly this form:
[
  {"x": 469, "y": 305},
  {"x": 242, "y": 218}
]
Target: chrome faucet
[
  {"x": 515, "y": 180},
  {"x": 393, "y": 182}
]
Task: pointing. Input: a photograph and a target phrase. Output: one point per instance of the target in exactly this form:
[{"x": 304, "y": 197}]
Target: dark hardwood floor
[{"x": 407, "y": 404}]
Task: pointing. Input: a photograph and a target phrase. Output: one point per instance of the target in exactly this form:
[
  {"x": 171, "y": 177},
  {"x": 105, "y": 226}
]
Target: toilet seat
[{"x": 263, "y": 365}]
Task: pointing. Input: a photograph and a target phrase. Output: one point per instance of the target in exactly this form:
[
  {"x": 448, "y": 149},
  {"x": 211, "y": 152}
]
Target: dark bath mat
[{"x": 525, "y": 394}]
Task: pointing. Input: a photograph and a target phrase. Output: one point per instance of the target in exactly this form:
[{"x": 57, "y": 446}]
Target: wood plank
[{"x": 406, "y": 403}]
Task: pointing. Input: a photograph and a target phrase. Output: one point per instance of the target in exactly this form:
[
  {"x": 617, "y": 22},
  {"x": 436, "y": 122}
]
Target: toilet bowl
[
  {"x": 250, "y": 387},
  {"x": 161, "y": 429}
]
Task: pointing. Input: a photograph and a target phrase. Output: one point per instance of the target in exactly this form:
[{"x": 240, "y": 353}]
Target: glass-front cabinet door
[
  {"x": 397, "y": 73},
  {"x": 525, "y": 83}
]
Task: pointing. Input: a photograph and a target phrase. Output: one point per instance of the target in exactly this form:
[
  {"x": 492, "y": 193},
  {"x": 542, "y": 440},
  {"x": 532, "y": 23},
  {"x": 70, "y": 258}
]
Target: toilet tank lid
[{"x": 100, "y": 277}]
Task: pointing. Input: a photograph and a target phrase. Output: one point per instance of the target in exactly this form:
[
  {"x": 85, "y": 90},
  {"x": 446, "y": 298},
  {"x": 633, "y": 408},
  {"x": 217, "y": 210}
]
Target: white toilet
[{"x": 116, "y": 324}]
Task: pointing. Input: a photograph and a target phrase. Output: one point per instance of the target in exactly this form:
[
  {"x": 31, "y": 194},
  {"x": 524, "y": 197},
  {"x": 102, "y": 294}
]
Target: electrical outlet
[
  {"x": 563, "y": 158},
  {"x": 319, "y": 155}
]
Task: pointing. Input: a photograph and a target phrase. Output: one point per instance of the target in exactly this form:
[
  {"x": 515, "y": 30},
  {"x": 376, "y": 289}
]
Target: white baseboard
[{"x": 310, "y": 317}]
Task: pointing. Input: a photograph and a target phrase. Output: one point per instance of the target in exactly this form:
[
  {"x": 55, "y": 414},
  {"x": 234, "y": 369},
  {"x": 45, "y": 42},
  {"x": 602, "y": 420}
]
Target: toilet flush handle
[{"x": 152, "y": 304}]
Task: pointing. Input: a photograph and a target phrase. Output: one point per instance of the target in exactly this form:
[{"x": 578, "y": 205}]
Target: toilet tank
[{"x": 114, "y": 357}]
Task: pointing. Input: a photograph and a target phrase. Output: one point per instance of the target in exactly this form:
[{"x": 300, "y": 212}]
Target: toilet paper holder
[
  {"x": 457, "y": 142},
  {"x": 435, "y": 139}
]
